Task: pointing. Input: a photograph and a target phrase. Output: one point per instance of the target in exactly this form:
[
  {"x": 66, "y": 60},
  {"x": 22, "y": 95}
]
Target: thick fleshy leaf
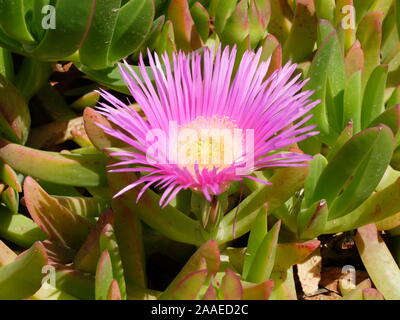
[
  {"x": 354, "y": 60},
  {"x": 188, "y": 288},
  {"x": 89, "y": 208},
  {"x": 284, "y": 286},
  {"x": 379, "y": 206},
  {"x": 272, "y": 48},
  {"x": 57, "y": 221},
  {"x": 23, "y": 277},
  {"x": 109, "y": 242},
  {"x": 238, "y": 221},
  {"x": 201, "y": 19},
  {"x": 132, "y": 26},
  {"x": 345, "y": 136},
  {"x": 75, "y": 283},
  {"x": 311, "y": 223},
  {"x": 186, "y": 36},
  {"x": 98, "y": 137},
  {"x": 301, "y": 41},
  {"x": 260, "y": 291},
  {"x": 264, "y": 259},
  {"x": 207, "y": 256},
  {"x": 373, "y": 101},
  {"x": 104, "y": 276},
  {"x": 6, "y": 64},
  {"x": 231, "y": 287},
  {"x": 6, "y": 254},
  {"x": 357, "y": 292},
  {"x": 355, "y": 170},
  {"x": 54, "y": 104},
  {"x": 169, "y": 221},
  {"x": 390, "y": 118},
  {"x": 68, "y": 169},
  {"x": 328, "y": 64},
  {"x": 352, "y": 103},
  {"x": 325, "y": 9},
  {"x": 259, "y": 15},
  {"x": 316, "y": 165},
  {"x": 379, "y": 262},
  {"x": 15, "y": 119},
  {"x": 128, "y": 232},
  {"x": 10, "y": 177},
  {"x": 71, "y": 27},
  {"x": 10, "y": 198},
  {"x": 19, "y": 229},
  {"x": 32, "y": 76},
  {"x": 290, "y": 254},
  {"x": 369, "y": 33},
  {"x": 113, "y": 292},
  {"x": 257, "y": 235},
  {"x": 166, "y": 42},
  {"x": 372, "y": 294},
  {"x": 88, "y": 255},
  {"x": 12, "y": 17},
  {"x": 96, "y": 47}
]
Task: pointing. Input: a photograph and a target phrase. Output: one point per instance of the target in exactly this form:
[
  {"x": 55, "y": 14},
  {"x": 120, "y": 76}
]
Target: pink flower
[{"x": 205, "y": 126}]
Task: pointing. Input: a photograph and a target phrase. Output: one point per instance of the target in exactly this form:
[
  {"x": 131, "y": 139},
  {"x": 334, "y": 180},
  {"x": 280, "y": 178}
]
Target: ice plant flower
[{"x": 205, "y": 125}]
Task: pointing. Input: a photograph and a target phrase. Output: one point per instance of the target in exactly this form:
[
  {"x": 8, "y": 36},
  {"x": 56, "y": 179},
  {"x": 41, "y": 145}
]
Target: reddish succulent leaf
[
  {"x": 14, "y": 113},
  {"x": 289, "y": 254},
  {"x": 272, "y": 48},
  {"x": 188, "y": 288},
  {"x": 207, "y": 256},
  {"x": 57, "y": 253},
  {"x": 211, "y": 293},
  {"x": 85, "y": 170},
  {"x": 378, "y": 261},
  {"x": 231, "y": 287},
  {"x": 108, "y": 242},
  {"x": 56, "y": 221},
  {"x": 114, "y": 293},
  {"x": 11, "y": 199},
  {"x": 261, "y": 291},
  {"x": 6, "y": 254},
  {"x": 10, "y": 177},
  {"x": 104, "y": 276},
  {"x": 301, "y": 41},
  {"x": 372, "y": 294},
  {"x": 97, "y": 135},
  {"x": 186, "y": 35},
  {"x": 369, "y": 33},
  {"x": 22, "y": 277},
  {"x": 354, "y": 60},
  {"x": 128, "y": 231},
  {"x": 87, "y": 257}
]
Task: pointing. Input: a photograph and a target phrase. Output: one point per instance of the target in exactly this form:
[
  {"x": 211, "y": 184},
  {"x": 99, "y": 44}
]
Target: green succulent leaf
[
  {"x": 379, "y": 262},
  {"x": 67, "y": 169},
  {"x": 134, "y": 21},
  {"x": 257, "y": 235},
  {"x": 108, "y": 242},
  {"x": 373, "y": 101},
  {"x": 19, "y": 229},
  {"x": 260, "y": 291},
  {"x": 231, "y": 287},
  {"x": 104, "y": 276},
  {"x": 15, "y": 118},
  {"x": 23, "y": 277},
  {"x": 264, "y": 259},
  {"x": 355, "y": 170}
]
